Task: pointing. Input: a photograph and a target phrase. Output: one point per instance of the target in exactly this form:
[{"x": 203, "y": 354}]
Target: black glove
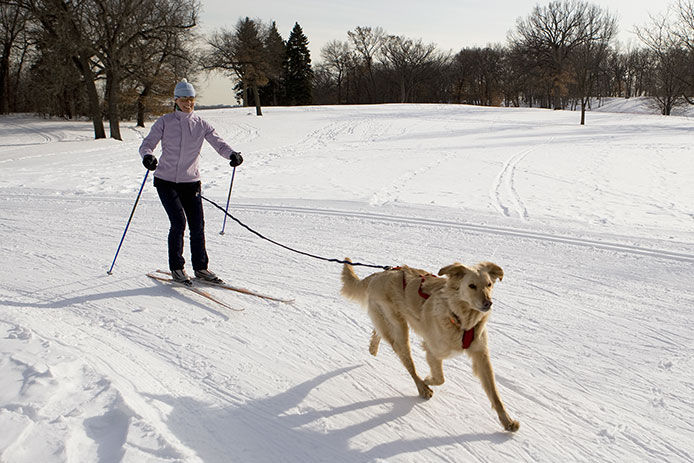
[
  {"x": 149, "y": 161},
  {"x": 236, "y": 159}
]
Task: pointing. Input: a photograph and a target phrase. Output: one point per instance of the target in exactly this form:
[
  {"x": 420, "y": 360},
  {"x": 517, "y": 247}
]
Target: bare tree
[
  {"x": 515, "y": 78},
  {"x": 637, "y": 68},
  {"x": 13, "y": 24},
  {"x": 668, "y": 81},
  {"x": 589, "y": 58},
  {"x": 54, "y": 88},
  {"x": 367, "y": 42},
  {"x": 684, "y": 26},
  {"x": 477, "y": 76},
  {"x": 158, "y": 62},
  {"x": 409, "y": 61},
  {"x": 120, "y": 26},
  {"x": 338, "y": 58},
  {"x": 104, "y": 38},
  {"x": 64, "y": 25},
  {"x": 158, "y": 56},
  {"x": 684, "y": 31},
  {"x": 550, "y": 35}
]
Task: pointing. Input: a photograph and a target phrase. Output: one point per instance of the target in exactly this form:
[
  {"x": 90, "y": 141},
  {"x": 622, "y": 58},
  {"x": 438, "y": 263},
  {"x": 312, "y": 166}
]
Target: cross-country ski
[
  {"x": 192, "y": 288},
  {"x": 234, "y": 288}
]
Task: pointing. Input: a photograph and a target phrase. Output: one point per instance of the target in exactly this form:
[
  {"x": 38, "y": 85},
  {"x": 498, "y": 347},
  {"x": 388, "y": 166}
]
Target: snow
[{"x": 591, "y": 336}]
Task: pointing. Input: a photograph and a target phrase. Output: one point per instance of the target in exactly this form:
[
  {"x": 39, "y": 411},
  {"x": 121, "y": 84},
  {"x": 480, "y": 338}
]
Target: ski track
[
  {"x": 504, "y": 192},
  {"x": 511, "y": 232},
  {"x": 391, "y": 192},
  {"x": 46, "y": 137},
  {"x": 408, "y": 220}
]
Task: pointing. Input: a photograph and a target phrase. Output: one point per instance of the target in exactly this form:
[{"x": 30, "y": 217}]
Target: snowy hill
[
  {"x": 591, "y": 335},
  {"x": 637, "y": 105}
]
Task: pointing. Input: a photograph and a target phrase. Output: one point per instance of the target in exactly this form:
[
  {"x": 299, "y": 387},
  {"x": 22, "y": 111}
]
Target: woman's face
[{"x": 186, "y": 103}]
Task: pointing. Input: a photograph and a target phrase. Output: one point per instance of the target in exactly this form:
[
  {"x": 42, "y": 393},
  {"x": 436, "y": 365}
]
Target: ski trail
[
  {"x": 504, "y": 193},
  {"x": 496, "y": 230},
  {"x": 391, "y": 192},
  {"x": 45, "y": 137},
  {"x": 503, "y": 189},
  {"x": 597, "y": 243}
]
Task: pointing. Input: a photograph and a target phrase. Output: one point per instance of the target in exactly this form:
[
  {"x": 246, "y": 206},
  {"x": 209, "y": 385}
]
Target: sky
[{"x": 451, "y": 24}]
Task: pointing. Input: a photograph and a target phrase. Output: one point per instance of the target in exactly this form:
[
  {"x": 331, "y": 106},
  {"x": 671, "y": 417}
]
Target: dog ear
[
  {"x": 454, "y": 270},
  {"x": 493, "y": 270}
]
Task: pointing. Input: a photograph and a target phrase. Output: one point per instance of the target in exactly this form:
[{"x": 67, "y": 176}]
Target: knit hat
[{"x": 183, "y": 89}]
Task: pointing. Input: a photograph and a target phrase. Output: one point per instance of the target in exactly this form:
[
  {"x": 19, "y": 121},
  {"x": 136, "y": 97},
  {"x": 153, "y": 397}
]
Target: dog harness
[{"x": 468, "y": 335}]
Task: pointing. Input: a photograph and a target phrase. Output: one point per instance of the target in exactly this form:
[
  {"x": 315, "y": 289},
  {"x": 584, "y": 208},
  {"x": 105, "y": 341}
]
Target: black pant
[{"x": 182, "y": 202}]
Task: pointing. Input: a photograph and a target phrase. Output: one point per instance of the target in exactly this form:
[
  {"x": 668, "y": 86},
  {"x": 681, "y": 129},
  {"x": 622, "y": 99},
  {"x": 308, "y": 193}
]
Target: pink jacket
[{"x": 181, "y": 135}]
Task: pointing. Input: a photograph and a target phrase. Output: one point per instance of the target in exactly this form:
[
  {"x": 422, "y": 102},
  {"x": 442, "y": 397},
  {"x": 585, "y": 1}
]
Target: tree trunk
[
  {"x": 556, "y": 97},
  {"x": 112, "y": 103},
  {"x": 245, "y": 95},
  {"x": 256, "y": 97},
  {"x": 82, "y": 63},
  {"x": 5, "y": 79},
  {"x": 583, "y": 111},
  {"x": 141, "y": 105},
  {"x": 12, "y": 98}
]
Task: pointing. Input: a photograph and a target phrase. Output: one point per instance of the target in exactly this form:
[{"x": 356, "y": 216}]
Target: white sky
[{"x": 451, "y": 24}]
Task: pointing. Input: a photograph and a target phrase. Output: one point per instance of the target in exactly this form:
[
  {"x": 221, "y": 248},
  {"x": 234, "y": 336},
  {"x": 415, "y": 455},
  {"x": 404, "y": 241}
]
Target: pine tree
[
  {"x": 250, "y": 58},
  {"x": 275, "y": 51},
  {"x": 298, "y": 72}
]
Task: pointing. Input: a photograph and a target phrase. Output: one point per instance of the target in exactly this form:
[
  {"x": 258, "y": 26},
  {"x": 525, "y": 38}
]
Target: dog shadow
[{"x": 279, "y": 428}]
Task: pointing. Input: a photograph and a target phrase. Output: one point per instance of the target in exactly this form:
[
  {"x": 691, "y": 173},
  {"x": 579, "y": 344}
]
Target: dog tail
[{"x": 352, "y": 287}]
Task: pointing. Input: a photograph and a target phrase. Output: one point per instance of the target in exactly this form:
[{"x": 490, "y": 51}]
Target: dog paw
[
  {"x": 425, "y": 392},
  {"x": 429, "y": 381},
  {"x": 512, "y": 426}
]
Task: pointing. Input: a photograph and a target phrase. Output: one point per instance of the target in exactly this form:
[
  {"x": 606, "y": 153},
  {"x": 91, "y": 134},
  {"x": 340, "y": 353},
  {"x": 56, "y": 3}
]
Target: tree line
[
  {"x": 560, "y": 56},
  {"x": 112, "y": 60}
]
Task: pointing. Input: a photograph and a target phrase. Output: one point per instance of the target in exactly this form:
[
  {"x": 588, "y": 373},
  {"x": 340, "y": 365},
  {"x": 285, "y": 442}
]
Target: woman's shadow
[{"x": 42, "y": 299}]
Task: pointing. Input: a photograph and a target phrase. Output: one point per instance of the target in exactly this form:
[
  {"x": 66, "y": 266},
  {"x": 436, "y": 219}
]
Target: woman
[{"x": 177, "y": 178}]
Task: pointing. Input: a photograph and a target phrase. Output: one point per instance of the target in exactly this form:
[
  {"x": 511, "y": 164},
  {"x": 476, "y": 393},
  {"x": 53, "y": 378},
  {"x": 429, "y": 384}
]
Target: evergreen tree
[
  {"x": 241, "y": 53},
  {"x": 275, "y": 52},
  {"x": 298, "y": 72},
  {"x": 250, "y": 58}
]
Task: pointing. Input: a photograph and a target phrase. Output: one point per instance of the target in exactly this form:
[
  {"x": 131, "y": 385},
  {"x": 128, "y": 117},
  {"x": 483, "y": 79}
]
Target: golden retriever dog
[{"x": 449, "y": 312}]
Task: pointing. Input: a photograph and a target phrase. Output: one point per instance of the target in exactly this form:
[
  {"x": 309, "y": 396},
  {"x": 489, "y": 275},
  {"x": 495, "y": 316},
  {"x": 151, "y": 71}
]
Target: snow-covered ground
[
  {"x": 592, "y": 335},
  {"x": 638, "y": 105}
]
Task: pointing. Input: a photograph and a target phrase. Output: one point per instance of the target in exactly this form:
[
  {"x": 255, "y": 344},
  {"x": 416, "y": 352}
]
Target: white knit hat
[{"x": 184, "y": 89}]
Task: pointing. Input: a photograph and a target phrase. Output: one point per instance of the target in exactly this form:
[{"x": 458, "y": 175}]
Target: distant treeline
[{"x": 119, "y": 59}]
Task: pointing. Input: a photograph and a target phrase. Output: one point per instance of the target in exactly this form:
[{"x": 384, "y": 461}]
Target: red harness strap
[
  {"x": 421, "y": 293},
  {"x": 404, "y": 283},
  {"x": 468, "y": 335}
]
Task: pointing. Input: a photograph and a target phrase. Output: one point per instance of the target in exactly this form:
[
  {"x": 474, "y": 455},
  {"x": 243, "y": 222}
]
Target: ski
[
  {"x": 237, "y": 289},
  {"x": 199, "y": 291}
]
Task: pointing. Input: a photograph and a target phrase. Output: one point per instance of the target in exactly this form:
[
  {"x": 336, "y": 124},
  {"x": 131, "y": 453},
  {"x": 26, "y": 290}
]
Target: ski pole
[
  {"x": 233, "y": 173},
  {"x": 128, "y": 224}
]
